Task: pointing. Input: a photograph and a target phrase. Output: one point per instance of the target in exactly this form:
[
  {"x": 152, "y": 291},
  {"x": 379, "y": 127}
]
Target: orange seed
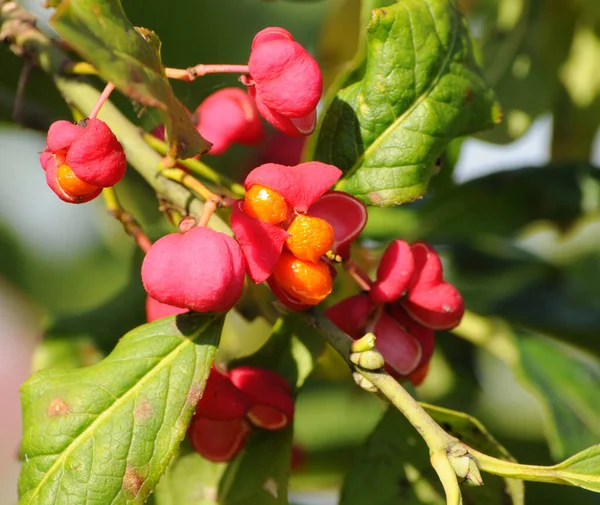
[
  {"x": 71, "y": 184},
  {"x": 307, "y": 282},
  {"x": 310, "y": 237},
  {"x": 265, "y": 204}
]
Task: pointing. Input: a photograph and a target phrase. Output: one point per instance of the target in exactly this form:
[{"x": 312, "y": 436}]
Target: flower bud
[
  {"x": 369, "y": 360},
  {"x": 364, "y": 383}
]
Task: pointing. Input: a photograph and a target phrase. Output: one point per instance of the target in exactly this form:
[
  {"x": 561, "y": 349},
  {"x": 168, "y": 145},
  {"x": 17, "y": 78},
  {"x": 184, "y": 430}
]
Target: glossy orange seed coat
[
  {"x": 310, "y": 237},
  {"x": 265, "y": 204},
  {"x": 71, "y": 184},
  {"x": 307, "y": 282}
]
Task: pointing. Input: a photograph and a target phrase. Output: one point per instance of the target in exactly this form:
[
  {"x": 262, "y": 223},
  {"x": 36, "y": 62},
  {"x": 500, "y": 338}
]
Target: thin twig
[
  {"x": 192, "y": 73},
  {"x": 130, "y": 225}
]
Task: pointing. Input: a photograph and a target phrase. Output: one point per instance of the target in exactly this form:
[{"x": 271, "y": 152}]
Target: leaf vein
[{"x": 60, "y": 460}]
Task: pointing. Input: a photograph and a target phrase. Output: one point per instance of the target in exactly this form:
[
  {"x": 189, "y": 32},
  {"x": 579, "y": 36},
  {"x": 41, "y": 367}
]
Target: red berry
[
  {"x": 81, "y": 159},
  {"x": 287, "y": 81},
  {"x": 156, "y": 310},
  {"x": 229, "y": 116},
  {"x": 201, "y": 270}
]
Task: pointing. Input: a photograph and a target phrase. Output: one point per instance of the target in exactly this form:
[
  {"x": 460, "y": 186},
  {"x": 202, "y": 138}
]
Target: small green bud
[
  {"x": 366, "y": 384},
  {"x": 465, "y": 466},
  {"x": 369, "y": 360},
  {"x": 365, "y": 343}
]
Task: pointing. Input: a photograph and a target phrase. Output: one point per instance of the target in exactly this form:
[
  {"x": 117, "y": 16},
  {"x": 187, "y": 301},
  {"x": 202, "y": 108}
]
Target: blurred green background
[{"x": 515, "y": 213}]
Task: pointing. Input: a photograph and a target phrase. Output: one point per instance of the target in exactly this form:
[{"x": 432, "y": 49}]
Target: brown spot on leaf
[
  {"x": 57, "y": 407},
  {"x": 194, "y": 395},
  {"x": 143, "y": 411},
  {"x": 132, "y": 481}
]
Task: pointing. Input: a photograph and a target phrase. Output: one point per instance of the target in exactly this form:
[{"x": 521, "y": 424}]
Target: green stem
[
  {"x": 192, "y": 73},
  {"x": 534, "y": 473},
  {"x": 435, "y": 437},
  {"x": 130, "y": 225},
  {"x": 190, "y": 182},
  {"x": 139, "y": 154},
  {"x": 197, "y": 167},
  {"x": 441, "y": 444}
]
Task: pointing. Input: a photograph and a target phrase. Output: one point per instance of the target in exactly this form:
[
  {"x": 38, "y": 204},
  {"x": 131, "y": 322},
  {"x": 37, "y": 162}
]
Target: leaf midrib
[
  {"x": 187, "y": 341},
  {"x": 411, "y": 109}
]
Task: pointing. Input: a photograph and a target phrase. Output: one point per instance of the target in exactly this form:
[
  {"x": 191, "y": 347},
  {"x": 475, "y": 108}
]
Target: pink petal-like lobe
[
  {"x": 261, "y": 242},
  {"x": 346, "y": 214},
  {"x": 61, "y": 135},
  {"x": 427, "y": 265},
  {"x": 272, "y": 402},
  {"x": 301, "y": 185},
  {"x": 399, "y": 348},
  {"x": 45, "y": 158},
  {"x": 274, "y": 118},
  {"x": 221, "y": 399},
  {"x": 96, "y": 156},
  {"x": 425, "y": 336},
  {"x": 218, "y": 441},
  {"x": 394, "y": 274},
  {"x": 439, "y": 307},
  {"x": 352, "y": 314},
  {"x": 430, "y": 300}
]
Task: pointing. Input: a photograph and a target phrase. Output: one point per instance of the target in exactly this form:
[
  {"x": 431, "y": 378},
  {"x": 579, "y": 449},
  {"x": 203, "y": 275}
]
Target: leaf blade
[
  {"x": 129, "y": 57},
  {"x": 386, "y": 130},
  {"x": 116, "y": 410}
]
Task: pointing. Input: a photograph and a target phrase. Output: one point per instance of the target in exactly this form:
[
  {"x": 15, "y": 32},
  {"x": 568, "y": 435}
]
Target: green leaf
[
  {"x": 420, "y": 89},
  {"x": 582, "y": 469},
  {"x": 190, "y": 480},
  {"x": 73, "y": 352},
  {"x": 129, "y": 57},
  {"x": 106, "y": 433},
  {"x": 567, "y": 383},
  {"x": 565, "y": 305},
  {"x": 292, "y": 350},
  {"x": 259, "y": 475},
  {"x": 393, "y": 467}
]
